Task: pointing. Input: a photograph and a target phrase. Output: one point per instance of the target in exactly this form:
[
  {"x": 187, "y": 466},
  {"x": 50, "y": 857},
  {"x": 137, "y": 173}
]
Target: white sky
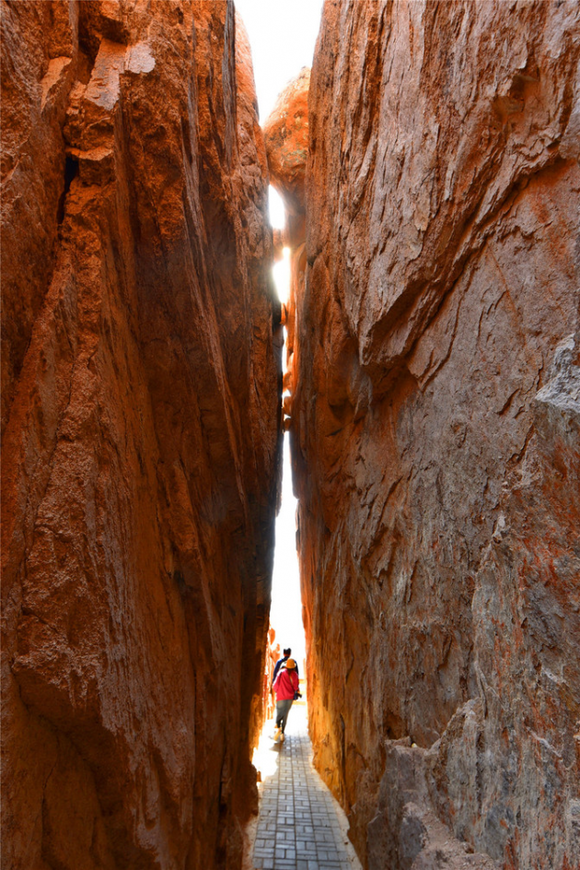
[
  {"x": 282, "y": 35},
  {"x": 286, "y": 612}
]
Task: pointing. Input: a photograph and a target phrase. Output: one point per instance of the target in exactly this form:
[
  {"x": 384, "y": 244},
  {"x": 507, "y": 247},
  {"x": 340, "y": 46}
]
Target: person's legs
[
  {"x": 280, "y": 716},
  {"x": 282, "y": 710}
]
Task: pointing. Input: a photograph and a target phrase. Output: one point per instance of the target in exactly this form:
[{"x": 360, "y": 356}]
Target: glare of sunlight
[
  {"x": 281, "y": 271},
  {"x": 282, "y": 34},
  {"x": 276, "y": 209},
  {"x": 265, "y": 756},
  {"x": 286, "y": 611}
]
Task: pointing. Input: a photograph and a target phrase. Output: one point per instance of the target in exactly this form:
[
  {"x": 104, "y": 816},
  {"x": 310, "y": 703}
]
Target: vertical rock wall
[
  {"x": 435, "y": 429},
  {"x": 140, "y": 433},
  {"x": 286, "y": 135}
]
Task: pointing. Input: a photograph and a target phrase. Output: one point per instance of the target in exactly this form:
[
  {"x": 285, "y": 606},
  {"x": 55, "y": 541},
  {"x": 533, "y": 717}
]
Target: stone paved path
[{"x": 300, "y": 825}]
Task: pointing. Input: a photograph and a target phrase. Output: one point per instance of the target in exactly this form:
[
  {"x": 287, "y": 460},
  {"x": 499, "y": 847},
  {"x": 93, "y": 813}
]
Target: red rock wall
[
  {"x": 286, "y": 136},
  {"x": 140, "y": 449},
  {"x": 272, "y": 655},
  {"x": 435, "y": 429}
]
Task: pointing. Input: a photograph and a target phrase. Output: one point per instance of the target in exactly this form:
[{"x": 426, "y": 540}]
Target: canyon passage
[{"x": 428, "y": 162}]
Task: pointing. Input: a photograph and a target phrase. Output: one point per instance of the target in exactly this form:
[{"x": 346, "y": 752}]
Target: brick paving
[{"x": 300, "y": 825}]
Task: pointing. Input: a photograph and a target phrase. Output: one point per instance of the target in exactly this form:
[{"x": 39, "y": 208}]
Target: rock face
[
  {"x": 141, "y": 421},
  {"x": 272, "y": 655},
  {"x": 286, "y": 137},
  {"x": 435, "y": 425}
]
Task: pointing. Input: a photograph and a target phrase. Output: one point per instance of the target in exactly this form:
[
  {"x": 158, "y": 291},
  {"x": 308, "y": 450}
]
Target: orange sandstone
[
  {"x": 140, "y": 446},
  {"x": 435, "y": 424}
]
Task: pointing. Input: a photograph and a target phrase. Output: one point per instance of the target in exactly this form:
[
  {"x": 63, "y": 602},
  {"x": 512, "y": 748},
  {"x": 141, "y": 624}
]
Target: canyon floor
[{"x": 300, "y": 826}]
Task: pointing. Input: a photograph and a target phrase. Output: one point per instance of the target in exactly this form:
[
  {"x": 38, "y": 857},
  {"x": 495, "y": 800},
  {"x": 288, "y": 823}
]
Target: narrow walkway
[{"x": 301, "y": 826}]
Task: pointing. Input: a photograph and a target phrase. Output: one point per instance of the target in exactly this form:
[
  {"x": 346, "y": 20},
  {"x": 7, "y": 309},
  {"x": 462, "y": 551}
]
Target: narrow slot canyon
[{"x": 417, "y": 392}]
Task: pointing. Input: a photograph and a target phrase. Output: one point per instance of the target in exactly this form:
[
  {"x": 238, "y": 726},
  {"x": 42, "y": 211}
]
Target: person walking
[
  {"x": 285, "y": 685},
  {"x": 286, "y": 655}
]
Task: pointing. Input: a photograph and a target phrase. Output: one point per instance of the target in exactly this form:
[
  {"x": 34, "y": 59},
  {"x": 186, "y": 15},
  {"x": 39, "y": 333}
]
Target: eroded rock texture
[
  {"x": 140, "y": 447},
  {"x": 286, "y": 136},
  {"x": 435, "y": 429},
  {"x": 272, "y": 655}
]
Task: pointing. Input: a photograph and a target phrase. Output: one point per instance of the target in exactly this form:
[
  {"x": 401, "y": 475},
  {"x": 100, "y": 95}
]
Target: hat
[{"x": 290, "y": 665}]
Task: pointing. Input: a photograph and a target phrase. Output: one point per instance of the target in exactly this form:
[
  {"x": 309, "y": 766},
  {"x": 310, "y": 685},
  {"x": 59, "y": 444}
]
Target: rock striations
[
  {"x": 286, "y": 137},
  {"x": 141, "y": 422},
  {"x": 435, "y": 426}
]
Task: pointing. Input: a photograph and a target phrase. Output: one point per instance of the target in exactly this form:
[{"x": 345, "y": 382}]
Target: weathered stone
[
  {"x": 286, "y": 138},
  {"x": 436, "y": 451},
  {"x": 272, "y": 655},
  {"x": 141, "y": 423},
  {"x": 405, "y": 832}
]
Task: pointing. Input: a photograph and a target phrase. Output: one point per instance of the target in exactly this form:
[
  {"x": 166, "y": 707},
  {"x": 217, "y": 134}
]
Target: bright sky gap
[{"x": 282, "y": 36}]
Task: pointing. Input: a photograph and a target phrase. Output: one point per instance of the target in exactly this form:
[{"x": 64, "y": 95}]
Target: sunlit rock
[{"x": 286, "y": 137}]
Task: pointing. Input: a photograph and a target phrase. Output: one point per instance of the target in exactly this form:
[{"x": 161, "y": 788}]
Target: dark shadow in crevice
[{"x": 71, "y": 170}]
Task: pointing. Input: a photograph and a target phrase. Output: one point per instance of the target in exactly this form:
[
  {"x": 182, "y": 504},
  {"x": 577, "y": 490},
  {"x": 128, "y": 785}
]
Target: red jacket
[{"x": 286, "y": 684}]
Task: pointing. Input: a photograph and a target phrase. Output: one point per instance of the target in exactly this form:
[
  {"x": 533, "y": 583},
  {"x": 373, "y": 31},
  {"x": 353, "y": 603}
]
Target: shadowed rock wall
[
  {"x": 141, "y": 422},
  {"x": 435, "y": 429}
]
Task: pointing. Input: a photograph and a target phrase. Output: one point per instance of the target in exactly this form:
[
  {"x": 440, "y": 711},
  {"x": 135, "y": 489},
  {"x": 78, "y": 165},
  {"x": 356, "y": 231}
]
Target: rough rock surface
[
  {"x": 435, "y": 425},
  {"x": 286, "y": 140},
  {"x": 140, "y": 434},
  {"x": 272, "y": 655}
]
